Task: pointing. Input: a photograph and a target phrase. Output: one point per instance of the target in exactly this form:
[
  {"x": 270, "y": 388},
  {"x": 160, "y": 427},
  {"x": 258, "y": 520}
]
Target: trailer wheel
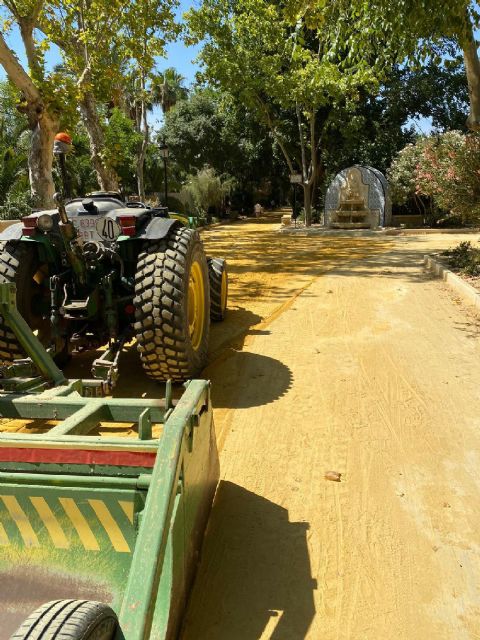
[
  {"x": 218, "y": 276},
  {"x": 69, "y": 620},
  {"x": 20, "y": 264},
  {"x": 172, "y": 306}
]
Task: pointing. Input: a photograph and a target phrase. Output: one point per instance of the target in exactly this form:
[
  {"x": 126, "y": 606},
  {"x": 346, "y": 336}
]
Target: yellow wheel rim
[
  {"x": 196, "y": 305},
  {"x": 224, "y": 291}
]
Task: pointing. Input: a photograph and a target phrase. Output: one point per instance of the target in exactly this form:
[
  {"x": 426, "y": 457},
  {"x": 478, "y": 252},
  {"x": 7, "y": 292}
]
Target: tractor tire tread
[
  {"x": 216, "y": 267},
  {"x": 160, "y": 290},
  {"x": 10, "y": 255}
]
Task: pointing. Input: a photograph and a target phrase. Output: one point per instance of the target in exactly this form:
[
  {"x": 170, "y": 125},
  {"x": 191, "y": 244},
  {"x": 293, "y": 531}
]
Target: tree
[
  {"x": 150, "y": 26},
  {"x": 14, "y": 141},
  {"x": 392, "y": 31},
  {"x": 95, "y": 39},
  {"x": 41, "y": 101},
  {"x": 167, "y": 88},
  {"x": 136, "y": 33},
  {"x": 276, "y": 70},
  {"x": 381, "y": 125},
  {"x": 211, "y": 128}
]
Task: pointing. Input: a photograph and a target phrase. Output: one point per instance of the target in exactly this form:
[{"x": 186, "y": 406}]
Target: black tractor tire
[
  {"x": 170, "y": 274},
  {"x": 218, "y": 275},
  {"x": 69, "y": 620},
  {"x": 19, "y": 263}
]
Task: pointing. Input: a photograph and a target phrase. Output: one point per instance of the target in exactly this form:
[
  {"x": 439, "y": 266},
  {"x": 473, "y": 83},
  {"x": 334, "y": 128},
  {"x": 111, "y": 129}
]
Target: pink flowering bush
[{"x": 444, "y": 168}]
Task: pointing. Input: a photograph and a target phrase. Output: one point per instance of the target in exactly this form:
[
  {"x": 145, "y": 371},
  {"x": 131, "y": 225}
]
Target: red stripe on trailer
[{"x": 78, "y": 456}]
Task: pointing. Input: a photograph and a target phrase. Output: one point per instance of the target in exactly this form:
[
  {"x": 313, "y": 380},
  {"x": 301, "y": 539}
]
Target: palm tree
[{"x": 168, "y": 88}]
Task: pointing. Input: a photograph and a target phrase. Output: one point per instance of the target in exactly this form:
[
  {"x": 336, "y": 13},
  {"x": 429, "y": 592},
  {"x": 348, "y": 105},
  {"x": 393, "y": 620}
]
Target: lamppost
[{"x": 164, "y": 154}]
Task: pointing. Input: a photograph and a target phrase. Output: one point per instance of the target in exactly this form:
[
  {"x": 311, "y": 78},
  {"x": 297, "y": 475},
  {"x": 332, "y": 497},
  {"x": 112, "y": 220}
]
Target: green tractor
[{"x": 101, "y": 271}]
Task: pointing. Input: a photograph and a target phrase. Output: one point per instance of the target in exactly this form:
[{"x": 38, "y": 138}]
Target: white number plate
[{"x": 95, "y": 228}]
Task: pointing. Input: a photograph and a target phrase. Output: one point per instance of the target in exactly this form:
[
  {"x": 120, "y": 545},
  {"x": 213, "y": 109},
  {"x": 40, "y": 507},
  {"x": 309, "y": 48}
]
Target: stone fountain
[
  {"x": 352, "y": 212},
  {"x": 358, "y": 198}
]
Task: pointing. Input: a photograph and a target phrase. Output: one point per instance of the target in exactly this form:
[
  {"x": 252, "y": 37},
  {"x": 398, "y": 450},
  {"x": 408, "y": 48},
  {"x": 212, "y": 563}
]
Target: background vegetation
[{"x": 284, "y": 88}]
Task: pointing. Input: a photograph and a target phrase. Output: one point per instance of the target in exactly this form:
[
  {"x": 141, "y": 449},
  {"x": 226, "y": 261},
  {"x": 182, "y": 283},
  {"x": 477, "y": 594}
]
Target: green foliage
[
  {"x": 168, "y": 88},
  {"x": 17, "y": 203},
  {"x": 205, "y": 192},
  {"x": 210, "y": 129},
  {"x": 280, "y": 72},
  {"x": 14, "y": 144},
  {"x": 438, "y": 92},
  {"x": 388, "y": 31},
  {"x": 449, "y": 173},
  {"x": 80, "y": 171},
  {"x": 175, "y": 205},
  {"x": 122, "y": 140},
  {"x": 402, "y": 175},
  {"x": 464, "y": 258},
  {"x": 444, "y": 168}
]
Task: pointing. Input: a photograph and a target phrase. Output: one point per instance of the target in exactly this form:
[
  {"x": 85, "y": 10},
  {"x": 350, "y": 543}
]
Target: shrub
[
  {"x": 449, "y": 172},
  {"x": 205, "y": 193},
  {"x": 444, "y": 168},
  {"x": 464, "y": 258},
  {"x": 16, "y": 205},
  {"x": 402, "y": 174}
]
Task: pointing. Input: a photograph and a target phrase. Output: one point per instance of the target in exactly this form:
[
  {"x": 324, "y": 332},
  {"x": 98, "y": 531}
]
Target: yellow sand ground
[{"x": 340, "y": 354}]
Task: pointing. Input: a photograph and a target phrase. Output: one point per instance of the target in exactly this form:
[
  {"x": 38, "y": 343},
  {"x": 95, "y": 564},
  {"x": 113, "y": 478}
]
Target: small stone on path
[{"x": 333, "y": 475}]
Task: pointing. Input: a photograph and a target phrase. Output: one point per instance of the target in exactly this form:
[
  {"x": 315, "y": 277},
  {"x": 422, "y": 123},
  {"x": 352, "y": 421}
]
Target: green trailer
[{"x": 103, "y": 501}]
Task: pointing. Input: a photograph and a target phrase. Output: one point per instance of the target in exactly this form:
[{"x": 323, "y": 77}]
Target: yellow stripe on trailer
[
  {"x": 80, "y": 523},
  {"x": 127, "y": 509},
  {"x": 109, "y": 524},
  {"x": 21, "y": 520},
  {"x": 51, "y": 523},
  {"x": 4, "y": 541}
]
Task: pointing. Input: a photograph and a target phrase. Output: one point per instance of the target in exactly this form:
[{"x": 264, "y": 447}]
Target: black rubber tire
[
  {"x": 19, "y": 263},
  {"x": 161, "y": 306},
  {"x": 69, "y": 620},
  {"x": 217, "y": 267}
]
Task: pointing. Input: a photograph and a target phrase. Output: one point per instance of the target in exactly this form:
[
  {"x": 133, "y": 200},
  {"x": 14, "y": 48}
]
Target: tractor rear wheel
[
  {"x": 172, "y": 306},
  {"x": 69, "y": 620},
  {"x": 217, "y": 273},
  {"x": 20, "y": 264}
]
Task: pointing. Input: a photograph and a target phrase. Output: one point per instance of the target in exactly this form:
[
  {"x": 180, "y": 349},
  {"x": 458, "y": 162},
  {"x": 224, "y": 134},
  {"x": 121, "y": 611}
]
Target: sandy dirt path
[{"x": 341, "y": 354}]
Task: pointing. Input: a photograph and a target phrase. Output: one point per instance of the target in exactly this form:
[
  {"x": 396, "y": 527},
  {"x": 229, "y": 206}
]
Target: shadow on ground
[
  {"x": 241, "y": 379},
  {"x": 257, "y": 566}
]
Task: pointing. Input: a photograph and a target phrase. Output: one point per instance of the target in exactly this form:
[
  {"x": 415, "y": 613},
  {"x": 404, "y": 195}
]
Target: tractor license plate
[{"x": 98, "y": 229}]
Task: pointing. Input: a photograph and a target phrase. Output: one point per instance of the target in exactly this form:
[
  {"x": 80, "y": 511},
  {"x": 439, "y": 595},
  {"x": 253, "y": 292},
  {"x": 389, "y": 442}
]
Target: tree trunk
[
  {"x": 307, "y": 202},
  {"x": 472, "y": 68},
  {"x": 142, "y": 148},
  {"x": 42, "y": 122},
  {"x": 40, "y": 161},
  {"x": 106, "y": 175}
]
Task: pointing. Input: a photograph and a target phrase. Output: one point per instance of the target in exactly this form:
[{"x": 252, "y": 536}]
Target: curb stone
[{"x": 464, "y": 290}]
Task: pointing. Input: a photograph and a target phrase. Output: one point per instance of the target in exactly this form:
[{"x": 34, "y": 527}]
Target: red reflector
[
  {"x": 129, "y": 309},
  {"x": 128, "y": 225},
  {"x": 29, "y": 231},
  {"x": 29, "y": 222},
  {"x": 127, "y": 221}
]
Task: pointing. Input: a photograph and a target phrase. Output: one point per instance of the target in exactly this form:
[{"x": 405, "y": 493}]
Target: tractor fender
[
  {"x": 12, "y": 232},
  {"x": 158, "y": 228}
]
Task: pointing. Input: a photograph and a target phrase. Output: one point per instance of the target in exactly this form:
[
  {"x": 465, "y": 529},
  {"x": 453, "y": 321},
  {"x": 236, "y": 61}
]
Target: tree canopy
[{"x": 252, "y": 52}]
